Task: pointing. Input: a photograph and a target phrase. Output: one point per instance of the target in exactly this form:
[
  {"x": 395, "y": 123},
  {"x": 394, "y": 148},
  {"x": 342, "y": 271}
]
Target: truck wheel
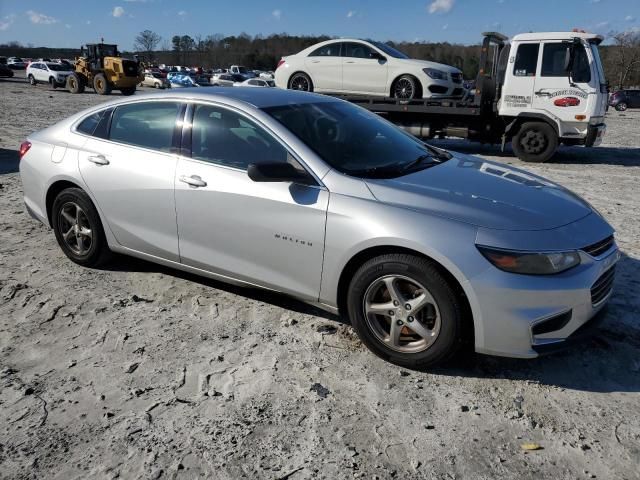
[
  {"x": 621, "y": 107},
  {"x": 32, "y": 80},
  {"x": 301, "y": 81},
  {"x": 405, "y": 311},
  {"x": 405, "y": 88},
  {"x": 101, "y": 85},
  {"x": 128, "y": 91},
  {"x": 535, "y": 142},
  {"x": 75, "y": 84}
]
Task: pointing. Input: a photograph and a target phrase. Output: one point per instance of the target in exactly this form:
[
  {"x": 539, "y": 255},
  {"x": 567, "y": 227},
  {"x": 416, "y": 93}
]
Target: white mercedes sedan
[{"x": 366, "y": 67}]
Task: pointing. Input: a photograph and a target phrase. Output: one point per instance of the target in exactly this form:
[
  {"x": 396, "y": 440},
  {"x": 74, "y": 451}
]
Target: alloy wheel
[
  {"x": 404, "y": 89},
  {"x": 75, "y": 228},
  {"x": 300, "y": 82},
  {"x": 402, "y": 313}
]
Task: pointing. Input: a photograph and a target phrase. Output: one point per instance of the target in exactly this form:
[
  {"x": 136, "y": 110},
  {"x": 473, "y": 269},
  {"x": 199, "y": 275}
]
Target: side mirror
[
  {"x": 277, "y": 172},
  {"x": 377, "y": 56}
]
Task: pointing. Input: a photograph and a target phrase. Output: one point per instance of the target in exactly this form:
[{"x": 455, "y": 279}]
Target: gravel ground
[{"x": 138, "y": 371}]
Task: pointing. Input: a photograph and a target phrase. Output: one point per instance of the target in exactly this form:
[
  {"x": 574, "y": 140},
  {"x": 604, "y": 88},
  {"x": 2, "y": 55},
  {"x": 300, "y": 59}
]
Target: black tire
[
  {"x": 128, "y": 91},
  {"x": 300, "y": 81},
  {"x": 101, "y": 85},
  {"x": 621, "y": 107},
  {"x": 535, "y": 142},
  {"x": 52, "y": 83},
  {"x": 97, "y": 251},
  {"x": 75, "y": 84},
  {"x": 449, "y": 336},
  {"x": 32, "y": 81},
  {"x": 406, "y": 88}
]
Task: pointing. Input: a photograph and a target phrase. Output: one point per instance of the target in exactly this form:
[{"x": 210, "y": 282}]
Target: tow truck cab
[{"x": 556, "y": 77}]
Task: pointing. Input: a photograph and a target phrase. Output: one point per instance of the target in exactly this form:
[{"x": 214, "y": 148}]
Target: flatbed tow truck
[{"x": 537, "y": 92}]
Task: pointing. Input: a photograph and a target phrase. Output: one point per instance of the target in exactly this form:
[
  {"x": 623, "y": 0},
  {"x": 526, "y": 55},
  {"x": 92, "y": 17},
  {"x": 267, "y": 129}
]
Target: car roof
[{"x": 257, "y": 97}]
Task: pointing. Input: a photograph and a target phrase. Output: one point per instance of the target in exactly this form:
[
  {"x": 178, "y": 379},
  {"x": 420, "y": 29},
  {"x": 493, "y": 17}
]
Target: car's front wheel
[
  {"x": 621, "y": 107},
  {"x": 405, "y": 311},
  {"x": 78, "y": 229},
  {"x": 405, "y": 88},
  {"x": 301, "y": 81},
  {"x": 535, "y": 142}
]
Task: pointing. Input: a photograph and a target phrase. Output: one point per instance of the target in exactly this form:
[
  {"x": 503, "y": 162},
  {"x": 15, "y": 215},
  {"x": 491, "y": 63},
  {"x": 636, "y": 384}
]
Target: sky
[{"x": 70, "y": 23}]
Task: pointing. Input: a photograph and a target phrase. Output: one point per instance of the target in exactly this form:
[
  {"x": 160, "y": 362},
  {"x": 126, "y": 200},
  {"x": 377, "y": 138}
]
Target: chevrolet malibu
[{"x": 423, "y": 250}]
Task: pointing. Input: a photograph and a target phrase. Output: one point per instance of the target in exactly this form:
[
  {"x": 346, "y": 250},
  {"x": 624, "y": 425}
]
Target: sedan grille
[
  {"x": 603, "y": 286},
  {"x": 600, "y": 247},
  {"x": 456, "y": 77}
]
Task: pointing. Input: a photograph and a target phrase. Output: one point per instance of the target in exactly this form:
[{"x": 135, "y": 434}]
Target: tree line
[{"x": 621, "y": 58}]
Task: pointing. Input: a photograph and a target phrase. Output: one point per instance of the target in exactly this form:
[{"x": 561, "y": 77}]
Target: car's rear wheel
[
  {"x": 405, "y": 88},
  {"x": 52, "y": 83},
  {"x": 405, "y": 311},
  {"x": 535, "y": 142},
  {"x": 621, "y": 107},
  {"x": 301, "y": 81},
  {"x": 32, "y": 80},
  {"x": 78, "y": 228}
]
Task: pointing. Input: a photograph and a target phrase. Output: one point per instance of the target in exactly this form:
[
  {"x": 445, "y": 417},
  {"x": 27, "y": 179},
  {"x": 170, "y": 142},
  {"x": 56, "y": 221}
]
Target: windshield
[
  {"x": 389, "y": 50},
  {"x": 596, "y": 55},
  {"x": 242, "y": 70},
  {"x": 355, "y": 141},
  {"x": 58, "y": 67}
]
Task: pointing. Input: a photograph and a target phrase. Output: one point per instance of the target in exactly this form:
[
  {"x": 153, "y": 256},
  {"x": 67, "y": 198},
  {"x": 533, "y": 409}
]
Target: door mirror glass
[
  {"x": 377, "y": 56},
  {"x": 277, "y": 172}
]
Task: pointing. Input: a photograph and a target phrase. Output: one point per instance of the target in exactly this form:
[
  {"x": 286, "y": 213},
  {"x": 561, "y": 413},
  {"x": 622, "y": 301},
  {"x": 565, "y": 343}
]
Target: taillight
[
  {"x": 280, "y": 63},
  {"x": 567, "y": 102},
  {"x": 24, "y": 148}
]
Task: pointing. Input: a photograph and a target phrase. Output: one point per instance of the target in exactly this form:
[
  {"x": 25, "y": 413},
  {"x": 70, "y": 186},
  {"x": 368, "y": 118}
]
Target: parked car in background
[
  {"x": 623, "y": 99},
  {"x": 5, "y": 71},
  {"x": 155, "y": 80},
  {"x": 16, "y": 63},
  {"x": 267, "y": 75},
  {"x": 255, "y": 82},
  {"x": 55, "y": 74},
  {"x": 222, "y": 80},
  {"x": 240, "y": 70},
  {"x": 366, "y": 67},
  {"x": 181, "y": 80}
]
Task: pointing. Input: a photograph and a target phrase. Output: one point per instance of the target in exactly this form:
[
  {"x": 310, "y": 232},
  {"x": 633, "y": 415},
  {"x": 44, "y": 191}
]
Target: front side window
[
  {"x": 526, "y": 60},
  {"x": 356, "y": 50},
  {"x": 330, "y": 50},
  {"x": 227, "y": 138},
  {"x": 353, "y": 140},
  {"x": 145, "y": 124},
  {"x": 553, "y": 60}
]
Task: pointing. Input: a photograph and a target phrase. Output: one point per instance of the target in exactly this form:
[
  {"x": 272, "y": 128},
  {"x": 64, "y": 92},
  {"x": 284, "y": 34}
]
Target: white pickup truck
[{"x": 537, "y": 91}]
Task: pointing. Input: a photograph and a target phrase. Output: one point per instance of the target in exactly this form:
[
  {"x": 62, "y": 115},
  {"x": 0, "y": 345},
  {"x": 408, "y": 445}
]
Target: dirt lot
[{"x": 142, "y": 372}]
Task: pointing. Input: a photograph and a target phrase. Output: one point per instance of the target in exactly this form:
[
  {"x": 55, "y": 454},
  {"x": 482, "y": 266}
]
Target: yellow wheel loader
[{"x": 102, "y": 68}]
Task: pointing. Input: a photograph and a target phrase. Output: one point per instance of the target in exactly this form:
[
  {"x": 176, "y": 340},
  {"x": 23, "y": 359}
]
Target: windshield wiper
[{"x": 418, "y": 161}]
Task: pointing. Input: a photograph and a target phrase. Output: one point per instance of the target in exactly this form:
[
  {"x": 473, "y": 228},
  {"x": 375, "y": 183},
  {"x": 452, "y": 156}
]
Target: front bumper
[
  {"x": 595, "y": 134},
  {"x": 511, "y": 305}
]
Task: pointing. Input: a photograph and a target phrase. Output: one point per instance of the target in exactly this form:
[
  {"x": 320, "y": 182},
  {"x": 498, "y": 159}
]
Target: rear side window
[
  {"x": 331, "y": 50},
  {"x": 148, "y": 124},
  {"x": 89, "y": 124},
  {"x": 227, "y": 138},
  {"x": 553, "y": 57},
  {"x": 526, "y": 60}
]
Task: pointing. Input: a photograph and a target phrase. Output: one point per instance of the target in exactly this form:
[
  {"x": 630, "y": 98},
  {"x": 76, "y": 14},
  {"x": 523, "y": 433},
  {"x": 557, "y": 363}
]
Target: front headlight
[
  {"x": 530, "y": 263},
  {"x": 435, "y": 74}
]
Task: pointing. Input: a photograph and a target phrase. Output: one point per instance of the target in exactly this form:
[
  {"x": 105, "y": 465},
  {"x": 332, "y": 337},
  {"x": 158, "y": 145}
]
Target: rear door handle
[
  {"x": 193, "y": 180},
  {"x": 349, "y": 61},
  {"x": 315, "y": 61},
  {"x": 98, "y": 159}
]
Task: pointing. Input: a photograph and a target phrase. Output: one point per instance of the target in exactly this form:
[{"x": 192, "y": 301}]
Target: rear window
[
  {"x": 526, "y": 60},
  {"x": 149, "y": 125},
  {"x": 89, "y": 124}
]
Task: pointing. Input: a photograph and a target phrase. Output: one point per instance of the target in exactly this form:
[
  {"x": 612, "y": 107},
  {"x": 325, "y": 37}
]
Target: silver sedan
[{"x": 423, "y": 250}]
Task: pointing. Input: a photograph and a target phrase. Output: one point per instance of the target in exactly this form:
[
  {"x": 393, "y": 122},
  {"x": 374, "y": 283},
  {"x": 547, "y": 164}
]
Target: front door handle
[
  {"x": 98, "y": 159},
  {"x": 193, "y": 180},
  {"x": 349, "y": 61},
  {"x": 542, "y": 94}
]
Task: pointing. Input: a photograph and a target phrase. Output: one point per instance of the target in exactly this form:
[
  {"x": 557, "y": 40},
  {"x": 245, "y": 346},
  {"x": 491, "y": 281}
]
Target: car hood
[
  {"x": 485, "y": 194},
  {"x": 427, "y": 64}
]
